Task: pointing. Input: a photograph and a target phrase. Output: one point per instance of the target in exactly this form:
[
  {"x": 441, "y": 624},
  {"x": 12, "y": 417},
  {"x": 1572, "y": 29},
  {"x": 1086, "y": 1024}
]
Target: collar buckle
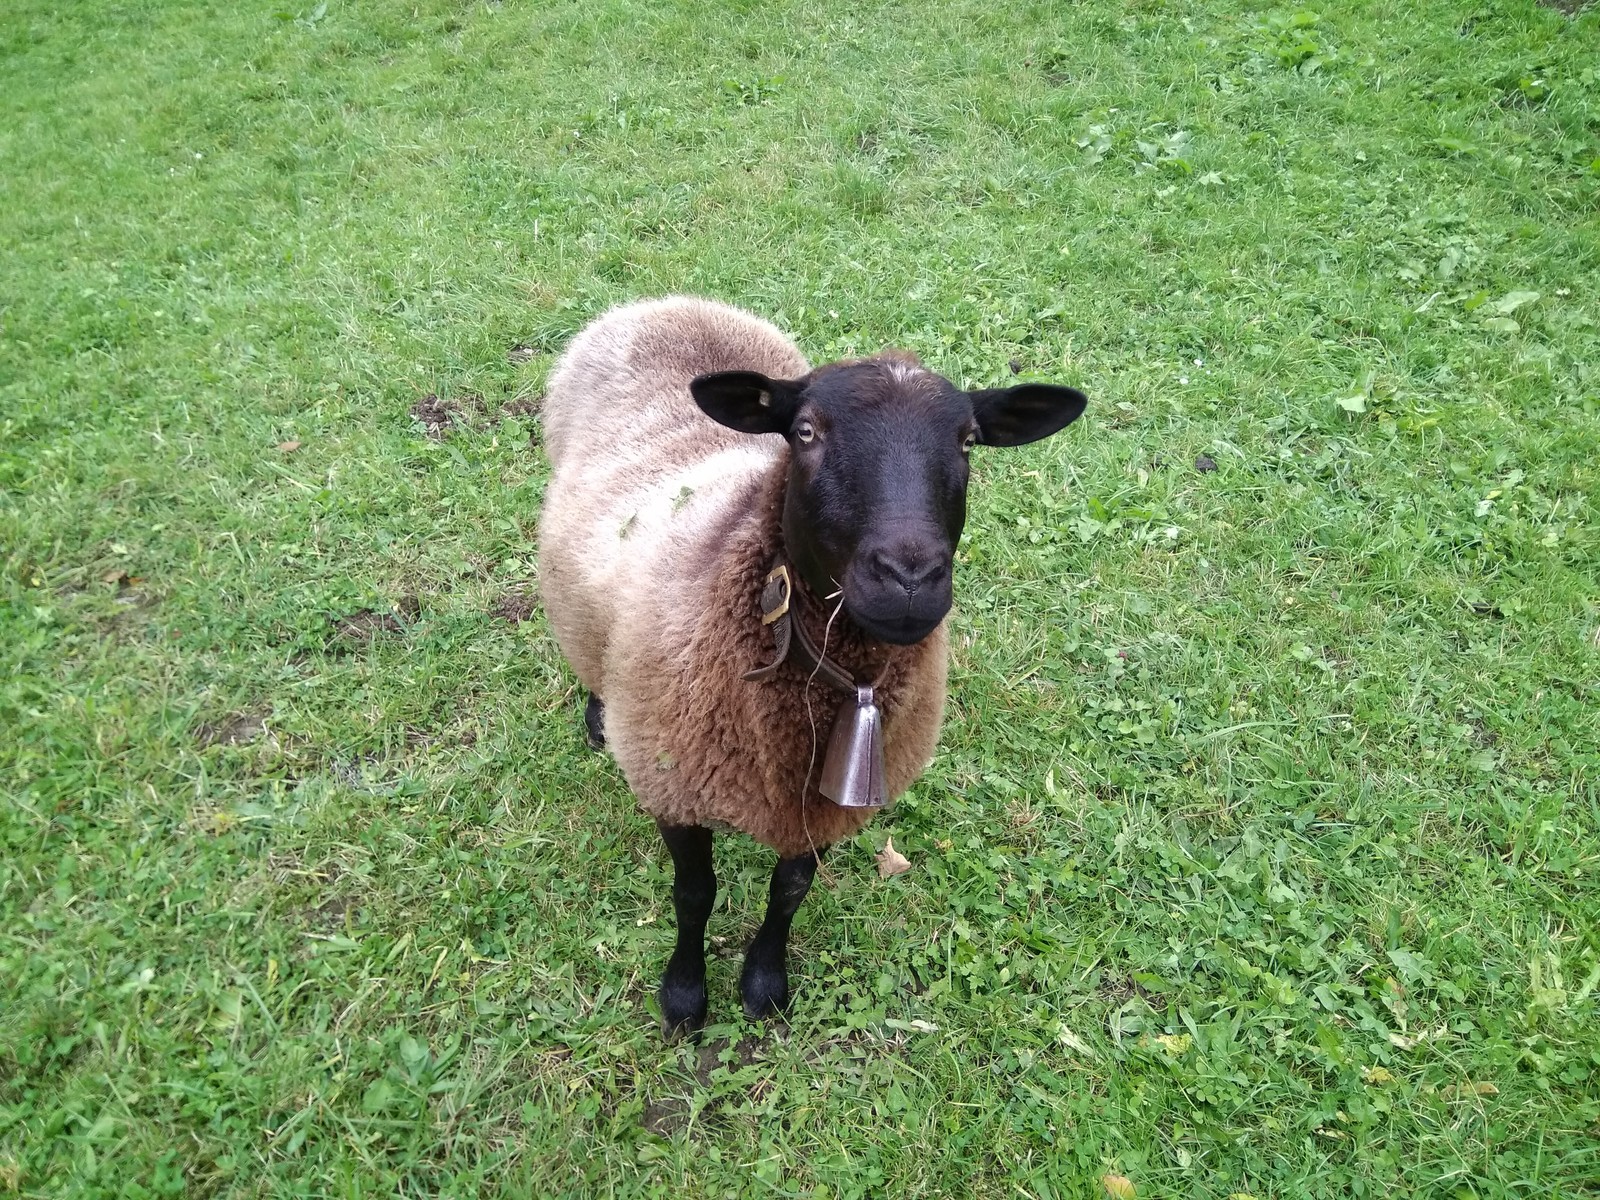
[{"x": 775, "y": 595}]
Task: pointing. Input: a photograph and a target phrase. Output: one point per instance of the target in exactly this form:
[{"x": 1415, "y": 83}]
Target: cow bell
[{"x": 852, "y": 772}]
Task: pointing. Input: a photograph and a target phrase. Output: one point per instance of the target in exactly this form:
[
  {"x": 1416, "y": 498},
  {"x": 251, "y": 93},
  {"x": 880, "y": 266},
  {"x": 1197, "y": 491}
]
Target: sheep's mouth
[{"x": 905, "y": 629}]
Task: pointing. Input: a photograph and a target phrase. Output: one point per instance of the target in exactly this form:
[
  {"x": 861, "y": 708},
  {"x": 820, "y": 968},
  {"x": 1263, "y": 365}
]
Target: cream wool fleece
[{"x": 658, "y": 529}]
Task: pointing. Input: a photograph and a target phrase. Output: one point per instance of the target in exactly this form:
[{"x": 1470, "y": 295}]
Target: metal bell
[{"x": 852, "y": 772}]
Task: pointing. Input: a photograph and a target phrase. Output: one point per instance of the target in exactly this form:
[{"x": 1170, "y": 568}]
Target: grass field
[{"x": 1262, "y": 852}]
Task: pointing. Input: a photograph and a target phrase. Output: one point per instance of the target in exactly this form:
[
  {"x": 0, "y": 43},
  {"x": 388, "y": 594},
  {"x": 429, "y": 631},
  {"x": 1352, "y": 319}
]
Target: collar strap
[
  {"x": 780, "y": 609},
  {"x": 853, "y": 768}
]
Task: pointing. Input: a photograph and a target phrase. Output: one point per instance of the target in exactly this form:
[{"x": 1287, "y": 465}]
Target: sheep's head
[{"x": 877, "y": 492}]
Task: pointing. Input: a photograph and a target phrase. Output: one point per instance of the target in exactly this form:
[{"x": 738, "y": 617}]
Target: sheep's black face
[{"x": 877, "y": 493}]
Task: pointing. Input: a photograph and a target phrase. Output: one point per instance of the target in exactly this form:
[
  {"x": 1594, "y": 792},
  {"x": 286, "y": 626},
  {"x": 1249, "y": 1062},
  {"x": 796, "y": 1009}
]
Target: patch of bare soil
[
  {"x": 437, "y": 416},
  {"x": 516, "y": 606},
  {"x": 523, "y": 406},
  {"x": 133, "y": 604},
  {"x": 329, "y": 903},
  {"x": 331, "y": 912},
  {"x": 1118, "y": 989},
  {"x": 709, "y": 1056},
  {"x": 235, "y": 730},
  {"x": 1566, "y": 6},
  {"x": 440, "y": 417},
  {"x": 362, "y": 626},
  {"x": 666, "y": 1115}
]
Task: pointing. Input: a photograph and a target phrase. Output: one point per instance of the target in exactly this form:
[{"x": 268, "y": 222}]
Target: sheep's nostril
[{"x": 911, "y": 570}]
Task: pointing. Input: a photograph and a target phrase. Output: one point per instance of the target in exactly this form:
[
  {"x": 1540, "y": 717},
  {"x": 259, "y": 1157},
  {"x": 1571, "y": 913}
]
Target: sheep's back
[
  {"x": 643, "y": 483},
  {"x": 621, "y": 388}
]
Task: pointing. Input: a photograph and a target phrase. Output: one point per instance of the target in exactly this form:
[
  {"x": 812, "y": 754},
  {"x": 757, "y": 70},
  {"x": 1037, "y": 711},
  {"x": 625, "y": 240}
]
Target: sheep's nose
[{"x": 911, "y": 568}]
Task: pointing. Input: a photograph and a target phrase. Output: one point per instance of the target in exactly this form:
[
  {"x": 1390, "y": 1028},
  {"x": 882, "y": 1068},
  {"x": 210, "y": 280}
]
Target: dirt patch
[
  {"x": 437, "y": 416},
  {"x": 1055, "y": 65},
  {"x": 330, "y": 911},
  {"x": 363, "y": 773},
  {"x": 440, "y": 417},
  {"x": 710, "y": 1055},
  {"x": 236, "y": 730},
  {"x": 122, "y": 581},
  {"x": 516, "y": 607},
  {"x": 1565, "y": 6},
  {"x": 665, "y": 1117},
  {"x": 520, "y": 354},
  {"x": 362, "y": 626},
  {"x": 365, "y": 625},
  {"x": 329, "y": 905},
  {"x": 1118, "y": 989},
  {"x": 523, "y": 406},
  {"x": 133, "y": 605},
  {"x": 126, "y": 589},
  {"x": 330, "y": 914}
]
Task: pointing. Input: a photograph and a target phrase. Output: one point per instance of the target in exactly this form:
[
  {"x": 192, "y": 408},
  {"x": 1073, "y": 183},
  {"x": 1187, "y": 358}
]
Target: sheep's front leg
[
  {"x": 594, "y": 722},
  {"x": 764, "y": 983},
  {"x": 694, "y": 890}
]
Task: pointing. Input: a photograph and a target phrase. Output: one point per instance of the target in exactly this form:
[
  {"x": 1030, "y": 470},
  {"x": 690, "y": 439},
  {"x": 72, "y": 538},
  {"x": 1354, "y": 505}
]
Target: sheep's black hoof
[
  {"x": 683, "y": 1005},
  {"x": 594, "y": 723},
  {"x": 764, "y": 988}
]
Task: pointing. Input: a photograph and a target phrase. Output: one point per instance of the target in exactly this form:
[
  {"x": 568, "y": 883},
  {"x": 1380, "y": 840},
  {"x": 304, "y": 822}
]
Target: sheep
[{"x": 703, "y": 476}]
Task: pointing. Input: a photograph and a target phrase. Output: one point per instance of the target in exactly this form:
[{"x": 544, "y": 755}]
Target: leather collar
[
  {"x": 780, "y": 608},
  {"x": 853, "y": 768}
]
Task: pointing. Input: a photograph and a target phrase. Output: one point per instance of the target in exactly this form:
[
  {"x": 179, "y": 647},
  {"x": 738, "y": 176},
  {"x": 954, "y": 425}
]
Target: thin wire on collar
[{"x": 805, "y": 790}]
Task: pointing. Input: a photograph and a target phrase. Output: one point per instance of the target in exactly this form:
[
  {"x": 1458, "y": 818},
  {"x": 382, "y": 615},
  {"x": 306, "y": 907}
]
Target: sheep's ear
[
  {"x": 747, "y": 400},
  {"x": 1015, "y": 416}
]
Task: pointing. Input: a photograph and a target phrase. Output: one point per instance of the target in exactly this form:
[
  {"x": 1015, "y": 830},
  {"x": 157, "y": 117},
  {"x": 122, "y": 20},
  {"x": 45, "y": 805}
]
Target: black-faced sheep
[{"x": 695, "y": 456}]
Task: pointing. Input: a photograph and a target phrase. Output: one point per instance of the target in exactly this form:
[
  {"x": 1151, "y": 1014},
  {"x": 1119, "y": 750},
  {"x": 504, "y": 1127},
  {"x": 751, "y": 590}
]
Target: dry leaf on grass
[
  {"x": 1075, "y": 1043},
  {"x": 1462, "y": 1091},
  {"x": 1402, "y": 1042},
  {"x": 1119, "y": 1186},
  {"x": 288, "y": 447},
  {"x": 891, "y": 861}
]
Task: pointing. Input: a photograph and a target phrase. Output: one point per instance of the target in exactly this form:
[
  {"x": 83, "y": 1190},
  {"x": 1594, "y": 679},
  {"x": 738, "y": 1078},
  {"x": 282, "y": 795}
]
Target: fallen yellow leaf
[
  {"x": 1075, "y": 1043},
  {"x": 288, "y": 447},
  {"x": 891, "y": 861},
  {"x": 1377, "y": 1075},
  {"x": 1119, "y": 1186},
  {"x": 1460, "y": 1091}
]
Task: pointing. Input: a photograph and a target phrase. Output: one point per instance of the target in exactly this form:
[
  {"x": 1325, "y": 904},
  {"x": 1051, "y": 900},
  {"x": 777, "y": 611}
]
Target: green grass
[{"x": 1262, "y": 852}]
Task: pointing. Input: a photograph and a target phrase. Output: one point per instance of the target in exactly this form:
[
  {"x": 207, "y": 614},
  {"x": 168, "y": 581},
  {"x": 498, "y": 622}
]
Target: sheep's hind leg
[
  {"x": 764, "y": 983},
  {"x": 694, "y": 890},
  {"x": 594, "y": 722}
]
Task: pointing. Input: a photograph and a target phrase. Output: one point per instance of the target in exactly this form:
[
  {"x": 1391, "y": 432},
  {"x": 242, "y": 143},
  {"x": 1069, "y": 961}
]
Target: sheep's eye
[
  {"x": 805, "y": 431},
  {"x": 968, "y": 442}
]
